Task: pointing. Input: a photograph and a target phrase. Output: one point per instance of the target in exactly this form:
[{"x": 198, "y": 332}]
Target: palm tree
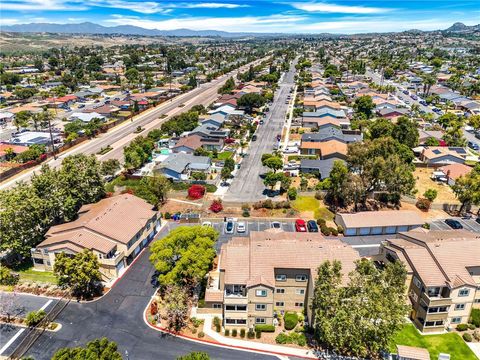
[{"x": 428, "y": 81}]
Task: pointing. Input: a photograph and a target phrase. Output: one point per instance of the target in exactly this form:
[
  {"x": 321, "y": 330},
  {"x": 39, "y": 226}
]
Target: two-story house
[
  {"x": 443, "y": 275},
  {"x": 268, "y": 273},
  {"x": 115, "y": 229}
]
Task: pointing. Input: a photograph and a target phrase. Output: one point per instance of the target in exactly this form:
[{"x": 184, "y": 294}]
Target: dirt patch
[{"x": 423, "y": 183}]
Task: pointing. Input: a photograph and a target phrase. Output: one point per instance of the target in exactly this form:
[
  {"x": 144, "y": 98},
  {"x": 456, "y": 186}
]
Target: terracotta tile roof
[
  {"x": 191, "y": 142},
  {"x": 412, "y": 353},
  {"x": 320, "y": 103},
  {"x": 454, "y": 171},
  {"x": 326, "y": 147},
  {"x": 17, "y": 149},
  {"x": 381, "y": 218},
  {"x": 80, "y": 239},
  {"x": 252, "y": 260},
  {"x": 433, "y": 152},
  {"x": 213, "y": 295}
]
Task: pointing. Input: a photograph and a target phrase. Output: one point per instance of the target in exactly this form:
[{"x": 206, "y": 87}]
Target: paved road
[
  {"x": 121, "y": 136},
  {"x": 248, "y": 185},
  {"x": 119, "y": 316},
  {"x": 468, "y": 224}
]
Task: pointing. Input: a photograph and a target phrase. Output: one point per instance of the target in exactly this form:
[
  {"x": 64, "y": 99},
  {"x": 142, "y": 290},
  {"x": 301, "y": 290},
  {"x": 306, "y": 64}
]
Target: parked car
[
  {"x": 454, "y": 224},
  {"x": 261, "y": 122},
  {"x": 254, "y": 138},
  {"x": 478, "y": 219},
  {"x": 312, "y": 226},
  {"x": 414, "y": 97},
  {"x": 405, "y": 92},
  {"x": 207, "y": 224},
  {"x": 229, "y": 227},
  {"x": 241, "y": 227},
  {"x": 423, "y": 102},
  {"x": 279, "y": 137},
  {"x": 276, "y": 225},
  {"x": 300, "y": 225},
  {"x": 473, "y": 146}
]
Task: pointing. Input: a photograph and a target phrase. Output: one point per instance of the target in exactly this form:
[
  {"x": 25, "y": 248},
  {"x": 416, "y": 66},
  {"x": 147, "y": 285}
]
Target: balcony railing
[
  {"x": 114, "y": 260},
  {"x": 438, "y": 300}
]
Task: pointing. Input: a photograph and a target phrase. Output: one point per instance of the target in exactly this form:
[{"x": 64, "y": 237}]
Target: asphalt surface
[
  {"x": 120, "y": 136},
  {"x": 119, "y": 317},
  {"x": 247, "y": 185},
  {"x": 468, "y": 224}
]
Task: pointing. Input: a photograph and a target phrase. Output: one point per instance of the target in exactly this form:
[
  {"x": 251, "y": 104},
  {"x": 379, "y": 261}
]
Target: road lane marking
[
  {"x": 46, "y": 305},
  {"x": 11, "y": 341},
  {"x": 365, "y": 246}
]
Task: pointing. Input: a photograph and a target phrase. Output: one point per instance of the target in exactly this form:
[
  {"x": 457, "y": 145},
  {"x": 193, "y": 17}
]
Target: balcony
[
  {"x": 114, "y": 260},
  {"x": 440, "y": 299}
]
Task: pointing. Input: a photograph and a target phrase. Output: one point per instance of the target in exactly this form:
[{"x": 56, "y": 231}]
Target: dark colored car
[
  {"x": 478, "y": 219},
  {"x": 254, "y": 138},
  {"x": 454, "y": 224},
  {"x": 312, "y": 226}
]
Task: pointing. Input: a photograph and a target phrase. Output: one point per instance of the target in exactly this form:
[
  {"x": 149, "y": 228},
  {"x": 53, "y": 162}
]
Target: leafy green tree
[
  {"x": 80, "y": 273},
  {"x": 227, "y": 87},
  {"x": 364, "y": 105},
  {"x": 21, "y": 119},
  {"x": 176, "y": 306},
  {"x": 467, "y": 188},
  {"x": 110, "y": 167},
  {"x": 185, "y": 255},
  {"x": 338, "y": 177},
  {"x": 103, "y": 349},
  {"x": 406, "y": 132},
  {"x": 25, "y": 93},
  {"x": 157, "y": 185},
  {"x": 250, "y": 101},
  {"x": 275, "y": 163},
  {"x": 431, "y": 141},
  {"x": 428, "y": 81},
  {"x": 194, "y": 356},
  {"x": 362, "y": 317},
  {"x": 430, "y": 194},
  {"x": 381, "y": 127},
  {"x": 132, "y": 75}
]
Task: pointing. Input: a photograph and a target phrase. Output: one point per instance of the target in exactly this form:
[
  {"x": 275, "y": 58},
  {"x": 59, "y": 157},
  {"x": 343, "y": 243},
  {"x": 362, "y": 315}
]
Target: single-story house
[
  {"x": 424, "y": 135},
  {"x": 178, "y": 166},
  {"x": 28, "y": 138},
  {"x": 391, "y": 113},
  {"x": 453, "y": 171},
  {"x": 188, "y": 144},
  {"x": 442, "y": 155},
  {"x": 6, "y": 116},
  {"x": 86, "y": 117},
  {"x": 412, "y": 353},
  {"x": 7, "y": 149},
  {"x": 325, "y": 149},
  {"x": 378, "y": 222},
  {"x": 320, "y": 168},
  {"x": 331, "y": 132}
]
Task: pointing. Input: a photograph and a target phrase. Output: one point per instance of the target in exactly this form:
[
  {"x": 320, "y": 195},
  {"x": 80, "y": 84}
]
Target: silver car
[{"x": 241, "y": 227}]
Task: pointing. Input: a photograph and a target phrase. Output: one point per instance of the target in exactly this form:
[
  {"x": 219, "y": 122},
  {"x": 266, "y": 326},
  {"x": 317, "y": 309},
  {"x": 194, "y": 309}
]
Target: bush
[
  {"x": 246, "y": 213},
  {"x": 242, "y": 333},
  {"x": 423, "y": 204},
  {"x": 227, "y": 332},
  {"x": 340, "y": 229},
  {"x": 234, "y": 332},
  {"x": 467, "y": 337},
  {"x": 462, "y": 327},
  {"x": 282, "y": 338},
  {"x": 210, "y": 188},
  {"x": 216, "y": 206},
  {"x": 471, "y": 327},
  {"x": 34, "y": 317},
  {"x": 475, "y": 317},
  {"x": 319, "y": 195},
  {"x": 292, "y": 193},
  {"x": 321, "y": 222},
  {"x": 168, "y": 216},
  {"x": 201, "y": 334},
  {"x": 7, "y": 277},
  {"x": 194, "y": 330},
  {"x": 265, "y": 328},
  {"x": 196, "y": 322},
  {"x": 476, "y": 335},
  {"x": 196, "y": 192},
  {"x": 302, "y": 340},
  {"x": 216, "y": 321},
  {"x": 218, "y": 328},
  {"x": 291, "y": 320},
  {"x": 325, "y": 230},
  {"x": 333, "y": 231},
  {"x": 250, "y": 334},
  {"x": 258, "y": 334}
]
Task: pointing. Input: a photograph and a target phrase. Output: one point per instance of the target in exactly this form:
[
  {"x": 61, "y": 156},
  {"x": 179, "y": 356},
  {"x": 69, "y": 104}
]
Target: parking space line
[
  {"x": 46, "y": 305},
  {"x": 11, "y": 341},
  {"x": 467, "y": 225}
]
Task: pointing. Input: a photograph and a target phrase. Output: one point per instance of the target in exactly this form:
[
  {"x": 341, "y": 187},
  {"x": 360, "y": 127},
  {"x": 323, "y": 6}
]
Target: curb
[{"x": 217, "y": 344}]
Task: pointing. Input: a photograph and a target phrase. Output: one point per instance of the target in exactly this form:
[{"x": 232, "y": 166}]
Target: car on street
[
  {"x": 261, "y": 122},
  {"x": 478, "y": 219},
  {"x": 414, "y": 97},
  {"x": 279, "y": 137},
  {"x": 229, "y": 227},
  {"x": 300, "y": 225},
  {"x": 312, "y": 226},
  {"x": 275, "y": 225},
  {"x": 241, "y": 227},
  {"x": 207, "y": 224},
  {"x": 254, "y": 138},
  {"x": 423, "y": 102},
  {"x": 290, "y": 150},
  {"x": 405, "y": 92},
  {"x": 473, "y": 146},
  {"x": 454, "y": 224}
]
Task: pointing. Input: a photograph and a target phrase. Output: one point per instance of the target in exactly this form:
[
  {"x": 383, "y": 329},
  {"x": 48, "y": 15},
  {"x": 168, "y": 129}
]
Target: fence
[{"x": 35, "y": 332}]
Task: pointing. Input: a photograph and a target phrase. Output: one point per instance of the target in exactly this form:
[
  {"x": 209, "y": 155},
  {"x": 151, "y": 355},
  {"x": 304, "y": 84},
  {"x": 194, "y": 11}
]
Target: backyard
[
  {"x": 450, "y": 343},
  {"x": 423, "y": 183},
  {"x": 312, "y": 208}
]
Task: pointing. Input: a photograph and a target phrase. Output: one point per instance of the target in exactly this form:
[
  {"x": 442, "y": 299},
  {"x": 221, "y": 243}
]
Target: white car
[
  {"x": 241, "y": 227},
  {"x": 290, "y": 150},
  {"x": 207, "y": 224}
]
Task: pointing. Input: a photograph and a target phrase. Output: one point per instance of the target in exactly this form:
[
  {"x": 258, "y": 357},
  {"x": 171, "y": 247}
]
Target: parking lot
[{"x": 468, "y": 224}]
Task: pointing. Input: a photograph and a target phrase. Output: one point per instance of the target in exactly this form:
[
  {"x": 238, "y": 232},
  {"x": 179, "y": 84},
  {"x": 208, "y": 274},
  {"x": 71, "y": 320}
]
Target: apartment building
[
  {"x": 443, "y": 275},
  {"x": 115, "y": 229},
  {"x": 268, "y": 273}
]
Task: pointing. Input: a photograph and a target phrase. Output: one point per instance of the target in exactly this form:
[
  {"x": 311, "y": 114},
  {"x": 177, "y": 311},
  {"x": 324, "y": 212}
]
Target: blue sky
[{"x": 296, "y": 16}]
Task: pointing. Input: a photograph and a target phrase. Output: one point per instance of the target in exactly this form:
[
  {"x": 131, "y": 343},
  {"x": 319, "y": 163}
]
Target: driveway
[
  {"x": 119, "y": 317},
  {"x": 468, "y": 224}
]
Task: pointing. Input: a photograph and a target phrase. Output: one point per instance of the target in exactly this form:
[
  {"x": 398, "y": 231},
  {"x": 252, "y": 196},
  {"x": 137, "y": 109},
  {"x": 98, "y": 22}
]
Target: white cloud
[
  {"x": 335, "y": 8},
  {"x": 41, "y": 5},
  {"x": 6, "y": 22},
  {"x": 144, "y": 7},
  {"x": 210, "y": 5}
]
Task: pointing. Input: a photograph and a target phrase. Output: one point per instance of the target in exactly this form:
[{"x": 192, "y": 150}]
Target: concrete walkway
[
  {"x": 252, "y": 345},
  {"x": 475, "y": 347}
]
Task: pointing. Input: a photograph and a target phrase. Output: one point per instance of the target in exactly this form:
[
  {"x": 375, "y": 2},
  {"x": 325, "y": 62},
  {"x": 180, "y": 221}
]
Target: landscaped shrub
[
  {"x": 340, "y": 229},
  {"x": 153, "y": 308},
  {"x": 282, "y": 205},
  {"x": 242, "y": 333},
  {"x": 333, "y": 231},
  {"x": 210, "y": 188},
  {"x": 216, "y": 206},
  {"x": 34, "y": 317},
  {"x": 216, "y": 321},
  {"x": 423, "y": 204},
  {"x": 291, "y": 338},
  {"x": 281, "y": 338},
  {"x": 321, "y": 222},
  {"x": 201, "y": 334},
  {"x": 196, "y": 192},
  {"x": 234, "y": 332},
  {"x": 292, "y": 193},
  {"x": 475, "y": 317},
  {"x": 7, "y": 277},
  {"x": 250, "y": 334},
  {"x": 325, "y": 230},
  {"x": 462, "y": 327},
  {"x": 467, "y": 337},
  {"x": 476, "y": 335},
  {"x": 258, "y": 334},
  {"x": 196, "y": 322},
  {"x": 246, "y": 213},
  {"x": 168, "y": 216},
  {"x": 265, "y": 328},
  {"x": 218, "y": 328},
  {"x": 227, "y": 332},
  {"x": 194, "y": 330},
  {"x": 291, "y": 320}
]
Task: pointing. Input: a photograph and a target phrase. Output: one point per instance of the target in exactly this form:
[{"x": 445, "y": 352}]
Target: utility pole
[{"x": 51, "y": 136}]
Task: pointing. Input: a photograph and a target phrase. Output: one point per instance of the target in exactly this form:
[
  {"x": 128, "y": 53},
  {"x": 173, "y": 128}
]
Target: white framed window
[
  {"x": 280, "y": 291},
  {"x": 279, "y": 303},
  {"x": 281, "y": 277},
  {"x": 301, "y": 277},
  {"x": 260, "y": 307},
  {"x": 261, "y": 293},
  {"x": 300, "y": 291},
  {"x": 260, "y": 321},
  {"x": 476, "y": 301},
  {"x": 456, "y": 320},
  {"x": 217, "y": 306},
  {"x": 299, "y": 304},
  {"x": 463, "y": 292},
  {"x": 417, "y": 282},
  {"x": 459, "y": 306},
  {"x": 235, "y": 321}
]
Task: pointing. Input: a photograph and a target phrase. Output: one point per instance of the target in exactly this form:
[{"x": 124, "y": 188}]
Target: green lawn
[
  {"x": 29, "y": 274},
  {"x": 450, "y": 343},
  {"x": 309, "y": 203},
  {"x": 224, "y": 155}
]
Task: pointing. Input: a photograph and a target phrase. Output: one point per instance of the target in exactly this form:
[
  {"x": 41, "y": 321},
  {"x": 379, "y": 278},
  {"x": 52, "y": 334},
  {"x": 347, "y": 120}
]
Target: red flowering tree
[
  {"x": 196, "y": 192},
  {"x": 216, "y": 206}
]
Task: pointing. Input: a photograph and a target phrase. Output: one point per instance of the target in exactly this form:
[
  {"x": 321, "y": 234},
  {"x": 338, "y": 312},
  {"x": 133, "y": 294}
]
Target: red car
[{"x": 300, "y": 225}]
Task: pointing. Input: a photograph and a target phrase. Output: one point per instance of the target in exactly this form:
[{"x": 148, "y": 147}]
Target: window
[
  {"x": 433, "y": 291},
  {"x": 241, "y": 307},
  {"x": 281, "y": 277},
  {"x": 456, "y": 320},
  {"x": 260, "y": 307},
  {"x": 236, "y": 307},
  {"x": 459, "y": 306},
  {"x": 235, "y": 321},
  {"x": 299, "y": 304},
  {"x": 38, "y": 261},
  {"x": 300, "y": 291},
  {"x": 301, "y": 278},
  {"x": 149, "y": 225},
  {"x": 434, "y": 323},
  {"x": 417, "y": 282},
  {"x": 260, "y": 321},
  {"x": 279, "y": 303},
  {"x": 476, "y": 301},
  {"x": 464, "y": 292},
  {"x": 262, "y": 293},
  {"x": 280, "y": 291},
  {"x": 217, "y": 306}
]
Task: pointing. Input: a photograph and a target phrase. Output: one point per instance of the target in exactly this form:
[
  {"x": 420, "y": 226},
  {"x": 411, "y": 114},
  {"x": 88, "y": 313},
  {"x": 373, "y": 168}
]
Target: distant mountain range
[{"x": 92, "y": 28}]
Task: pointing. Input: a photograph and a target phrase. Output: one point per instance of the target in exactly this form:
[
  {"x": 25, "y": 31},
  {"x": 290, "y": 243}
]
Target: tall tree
[
  {"x": 176, "y": 306},
  {"x": 467, "y": 188},
  {"x": 194, "y": 356},
  {"x": 97, "y": 349},
  {"x": 364, "y": 105},
  {"x": 159, "y": 186}
]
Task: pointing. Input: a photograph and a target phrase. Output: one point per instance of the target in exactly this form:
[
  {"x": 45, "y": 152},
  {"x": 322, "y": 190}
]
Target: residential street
[
  {"x": 119, "y": 316},
  {"x": 247, "y": 184}
]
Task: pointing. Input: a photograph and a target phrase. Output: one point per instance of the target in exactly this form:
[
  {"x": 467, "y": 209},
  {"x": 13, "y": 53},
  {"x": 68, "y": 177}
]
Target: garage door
[
  {"x": 137, "y": 250},
  {"x": 120, "y": 266},
  {"x": 364, "y": 231},
  {"x": 402, "y": 228},
  {"x": 351, "y": 232},
  {"x": 391, "y": 229},
  {"x": 376, "y": 230}
]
